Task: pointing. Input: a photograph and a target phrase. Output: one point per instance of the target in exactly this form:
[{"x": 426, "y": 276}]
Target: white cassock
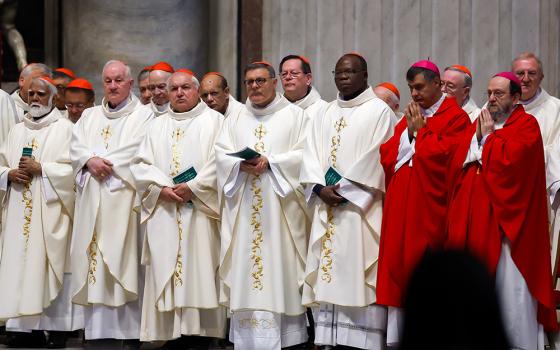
[
  {"x": 8, "y": 115},
  {"x": 104, "y": 252},
  {"x": 157, "y": 109},
  {"x": 233, "y": 108},
  {"x": 263, "y": 235},
  {"x": 471, "y": 109},
  {"x": 312, "y": 103},
  {"x": 37, "y": 222},
  {"x": 21, "y": 106},
  {"x": 182, "y": 243},
  {"x": 341, "y": 268}
]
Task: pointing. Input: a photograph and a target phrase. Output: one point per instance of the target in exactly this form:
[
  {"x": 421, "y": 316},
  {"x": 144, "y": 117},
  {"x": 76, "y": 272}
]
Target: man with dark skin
[
  {"x": 214, "y": 91},
  {"x": 345, "y": 139},
  {"x": 415, "y": 161},
  {"x": 78, "y": 95}
]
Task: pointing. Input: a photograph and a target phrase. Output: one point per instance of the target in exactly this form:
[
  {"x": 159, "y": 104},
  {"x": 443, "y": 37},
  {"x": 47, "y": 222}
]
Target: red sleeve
[{"x": 390, "y": 150}]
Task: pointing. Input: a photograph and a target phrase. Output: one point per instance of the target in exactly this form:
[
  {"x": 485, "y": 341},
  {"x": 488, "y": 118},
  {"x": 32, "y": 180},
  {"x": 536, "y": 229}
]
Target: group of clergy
[{"x": 161, "y": 217}]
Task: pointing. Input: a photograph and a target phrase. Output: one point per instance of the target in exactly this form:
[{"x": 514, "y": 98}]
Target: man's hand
[
  {"x": 414, "y": 119},
  {"x": 330, "y": 197},
  {"x": 255, "y": 166},
  {"x": 183, "y": 191},
  {"x": 99, "y": 168},
  {"x": 19, "y": 176},
  {"x": 30, "y": 166},
  {"x": 485, "y": 125},
  {"x": 167, "y": 194}
]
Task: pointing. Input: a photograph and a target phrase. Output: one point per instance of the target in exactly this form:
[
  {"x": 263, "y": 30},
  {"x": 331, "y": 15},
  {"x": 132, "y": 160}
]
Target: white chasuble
[
  {"x": 312, "y": 103},
  {"x": 8, "y": 115},
  {"x": 182, "y": 243},
  {"x": 234, "y": 107},
  {"x": 471, "y": 109},
  {"x": 37, "y": 218},
  {"x": 21, "y": 106},
  {"x": 104, "y": 252},
  {"x": 343, "y": 249},
  {"x": 263, "y": 231}
]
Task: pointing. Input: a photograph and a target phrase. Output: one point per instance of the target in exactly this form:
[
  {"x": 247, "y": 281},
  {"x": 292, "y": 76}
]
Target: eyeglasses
[
  {"x": 451, "y": 86},
  {"x": 293, "y": 74},
  {"x": 338, "y": 73},
  {"x": 259, "y": 81},
  {"x": 77, "y": 106}
]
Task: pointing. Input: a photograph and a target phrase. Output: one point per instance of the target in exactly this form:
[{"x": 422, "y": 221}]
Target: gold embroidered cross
[
  {"x": 33, "y": 144},
  {"x": 177, "y": 134},
  {"x": 106, "y": 133},
  {"x": 260, "y": 131},
  {"x": 340, "y": 124}
]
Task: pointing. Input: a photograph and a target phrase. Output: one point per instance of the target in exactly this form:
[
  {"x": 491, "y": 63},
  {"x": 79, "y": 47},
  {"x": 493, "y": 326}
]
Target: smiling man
[
  {"x": 263, "y": 219},
  {"x": 105, "y": 238},
  {"x": 343, "y": 245},
  {"x": 295, "y": 72},
  {"x": 415, "y": 161}
]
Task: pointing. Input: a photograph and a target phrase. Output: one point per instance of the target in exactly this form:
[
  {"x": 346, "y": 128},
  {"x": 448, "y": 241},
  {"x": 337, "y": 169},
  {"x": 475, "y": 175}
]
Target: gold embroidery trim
[
  {"x": 28, "y": 202},
  {"x": 106, "y": 133},
  {"x": 256, "y": 323},
  {"x": 175, "y": 169},
  {"x": 257, "y": 271},
  {"x": 92, "y": 253},
  {"x": 326, "y": 262}
]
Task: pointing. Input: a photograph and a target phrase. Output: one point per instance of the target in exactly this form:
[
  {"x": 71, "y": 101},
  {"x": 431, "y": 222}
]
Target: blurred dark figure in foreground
[{"x": 451, "y": 304}]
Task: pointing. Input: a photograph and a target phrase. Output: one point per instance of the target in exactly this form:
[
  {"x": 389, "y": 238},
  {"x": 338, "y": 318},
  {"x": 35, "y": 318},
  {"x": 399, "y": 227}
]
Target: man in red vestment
[
  {"x": 415, "y": 161},
  {"x": 498, "y": 209}
]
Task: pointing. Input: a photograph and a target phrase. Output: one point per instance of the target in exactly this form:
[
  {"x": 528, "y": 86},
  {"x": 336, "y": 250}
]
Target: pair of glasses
[{"x": 259, "y": 81}]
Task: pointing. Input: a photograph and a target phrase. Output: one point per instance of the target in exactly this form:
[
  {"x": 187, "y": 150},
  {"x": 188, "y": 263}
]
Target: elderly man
[
  {"x": 175, "y": 176},
  {"x": 32, "y": 70},
  {"x": 104, "y": 248},
  {"x": 145, "y": 93},
  {"x": 263, "y": 247},
  {"x": 214, "y": 91},
  {"x": 415, "y": 161},
  {"x": 389, "y": 94},
  {"x": 157, "y": 84},
  {"x": 498, "y": 210},
  {"x": 342, "y": 169},
  {"x": 79, "y": 95},
  {"x": 457, "y": 82},
  {"x": 37, "y": 188},
  {"x": 295, "y": 72},
  {"x": 61, "y": 78}
]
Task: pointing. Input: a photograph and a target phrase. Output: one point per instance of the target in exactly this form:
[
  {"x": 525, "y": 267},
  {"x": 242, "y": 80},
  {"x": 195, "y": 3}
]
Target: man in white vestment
[
  {"x": 175, "y": 177},
  {"x": 104, "y": 253},
  {"x": 457, "y": 81},
  {"x": 8, "y": 115},
  {"x": 143, "y": 81},
  {"x": 157, "y": 84},
  {"x": 342, "y": 169},
  {"x": 36, "y": 187},
  {"x": 214, "y": 91},
  {"x": 295, "y": 72},
  {"x": 32, "y": 70},
  {"x": 389, "y": 94},
  {"x": 263, "y": 231},
  {"x": 78, "y": 96},
  {"x": 62, "y": 77}
]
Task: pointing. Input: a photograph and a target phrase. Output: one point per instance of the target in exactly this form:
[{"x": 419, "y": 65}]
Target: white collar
[{"x": 428, "y": 112}]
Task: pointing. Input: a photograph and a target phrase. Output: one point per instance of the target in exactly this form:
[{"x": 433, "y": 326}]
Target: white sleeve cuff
[
  {"x": 406, "y": 150},
  {"x": 552, "y": 191},
  {"x": 4, "y": 180},
  {"x": 114, "y": 183},
  {"x": 279, "y": 183},
  {"x": 48, "y": 190},
  {"x": 475, "y": 151},
  {"x": 81, "y": 178},
  {"x": 308, "y": 192},
  {"x": 355, "y": 194},
  {"x": 234, "y": 181}
]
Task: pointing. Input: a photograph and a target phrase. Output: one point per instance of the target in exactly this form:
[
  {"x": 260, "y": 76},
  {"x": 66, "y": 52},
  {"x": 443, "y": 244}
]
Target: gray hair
[
  {"x": 468, "y": 79},
  {"x": 128, "y": 72},
  {"x": 528, "y": 55},
  {"x": 30, "y": 68},
  {"x": 193, "y": 79},
  {"x": 143, "y": 75},
  {"x": 50, "y": 86}
]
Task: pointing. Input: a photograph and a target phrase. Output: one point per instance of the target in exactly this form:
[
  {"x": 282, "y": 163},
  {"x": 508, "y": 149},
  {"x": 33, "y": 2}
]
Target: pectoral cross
[
  {"x": 33, "y": 144},
  {"x": 340, "y": 124},
  {"x": 177, "y": 134},
  {"x": 260, "y": 131},
  {"x": 106, "y": 133}
]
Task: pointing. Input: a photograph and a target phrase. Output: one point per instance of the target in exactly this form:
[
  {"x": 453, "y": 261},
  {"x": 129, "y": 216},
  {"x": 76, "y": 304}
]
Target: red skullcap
[
  {"x": 163, "y": 66},
  {"x": 66, "y": 71},
  {"x": 80, "y": 84},
  {"x": 389, "y": 86}
]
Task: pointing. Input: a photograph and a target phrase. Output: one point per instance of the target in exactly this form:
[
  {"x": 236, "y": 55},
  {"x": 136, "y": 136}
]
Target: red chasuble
[
  {"x": 505, "y": 196},
  {"x": 414, "y": 215}
]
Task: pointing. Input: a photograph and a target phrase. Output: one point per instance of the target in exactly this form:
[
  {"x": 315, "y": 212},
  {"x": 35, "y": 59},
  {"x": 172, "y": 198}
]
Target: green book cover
[
  {"x": 27, "y": 152},
  {"x": 332, "y": 177},
  {"x": 246, "y": 153},
  {"x": 185, "y": 176}
]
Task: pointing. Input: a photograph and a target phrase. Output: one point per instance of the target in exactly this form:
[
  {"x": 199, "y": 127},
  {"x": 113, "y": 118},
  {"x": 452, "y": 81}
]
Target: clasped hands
[
  {"x": 27, "y": 168},
  {"x": 177, "y": 194},
  {"x": 255, "y": 166},
  {"x": 414, "y": 119},
  {"x": 485, "y": 124}
]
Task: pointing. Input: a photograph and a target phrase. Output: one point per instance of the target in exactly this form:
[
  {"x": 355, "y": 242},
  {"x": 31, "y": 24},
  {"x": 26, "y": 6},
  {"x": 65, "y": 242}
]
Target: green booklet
[
  {"x": 27, "y": 152},
  {"x": 246, "y": 153},
  {"x": 185, "y": 176},
  {"x": 332, "y": 177}
]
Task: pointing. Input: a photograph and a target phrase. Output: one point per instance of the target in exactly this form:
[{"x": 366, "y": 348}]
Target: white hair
[
  {"x": 50, "y": 86},
  {"x": 193, "y": 79},
  {"x": 128, "y": 72},
  {"x": 30, "y": 68}
]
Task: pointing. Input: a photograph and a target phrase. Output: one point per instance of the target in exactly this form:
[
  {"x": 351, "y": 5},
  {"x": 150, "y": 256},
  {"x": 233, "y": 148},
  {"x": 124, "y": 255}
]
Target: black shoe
[
  {"x": 35, "y": 339},
  {"x": 131, "y": 344},
  {"x": 57, "y": 340}
]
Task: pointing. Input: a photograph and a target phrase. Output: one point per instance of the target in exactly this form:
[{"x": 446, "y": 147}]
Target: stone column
[{"x": 139, "y": 33}]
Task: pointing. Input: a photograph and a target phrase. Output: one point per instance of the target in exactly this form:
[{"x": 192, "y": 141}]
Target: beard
[
  {"x": 37, "y": 110},
  {"x": 501, "y": 113}
]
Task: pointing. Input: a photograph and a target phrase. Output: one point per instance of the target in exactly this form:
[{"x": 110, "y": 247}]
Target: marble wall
[{"x": 481, "y": 34}]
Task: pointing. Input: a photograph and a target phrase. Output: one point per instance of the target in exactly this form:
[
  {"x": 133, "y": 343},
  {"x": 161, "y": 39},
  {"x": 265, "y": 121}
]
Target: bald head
[
  {"x": 388, "y": 97},
  {"x": 350, "y": 75},
  {"x": 214, "y": 91},
  {"x": 157, "y": 84}
]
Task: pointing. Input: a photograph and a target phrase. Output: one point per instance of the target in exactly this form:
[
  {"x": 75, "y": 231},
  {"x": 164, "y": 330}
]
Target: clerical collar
[
  {"x": 365, "y": 96},
  {"x": 532, "y": 99},
  {"x": 311, "y": 97},
  {"x": 39, "y": 123},
  {"x": 277, "y": 104},
  {"x": 428, "y": 112},
  {"x": 119, "y": 106},
  {"x": 193, "y": 112}
]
